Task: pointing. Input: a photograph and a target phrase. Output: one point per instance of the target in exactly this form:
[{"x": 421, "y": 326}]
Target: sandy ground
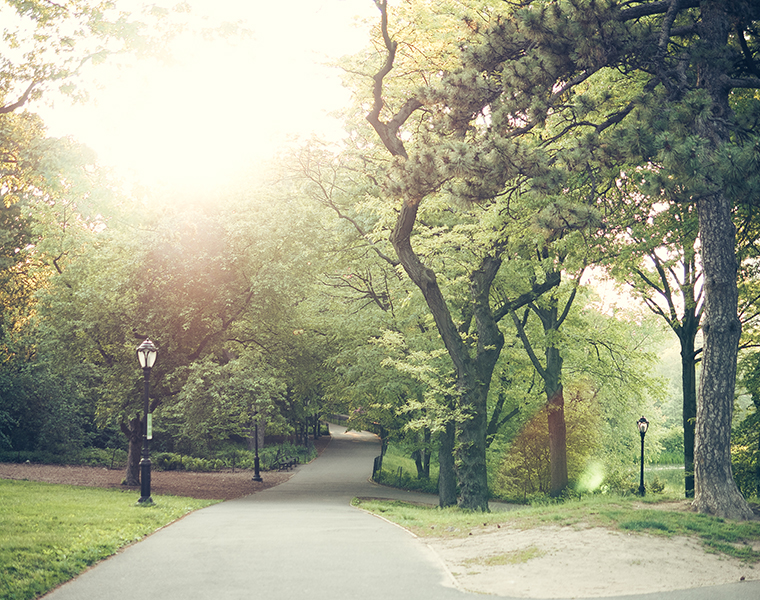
[{"x": 562, "y": 562}]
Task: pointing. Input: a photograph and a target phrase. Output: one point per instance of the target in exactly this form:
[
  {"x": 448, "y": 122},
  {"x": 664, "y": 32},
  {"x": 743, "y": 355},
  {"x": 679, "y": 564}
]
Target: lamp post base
[{"x": 145, "y": 482}]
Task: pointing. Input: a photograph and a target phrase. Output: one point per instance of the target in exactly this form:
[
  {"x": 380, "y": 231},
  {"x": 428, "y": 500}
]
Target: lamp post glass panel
[
  {"x": 643, "y": 425},
  {"x": 146, "y": 354}
]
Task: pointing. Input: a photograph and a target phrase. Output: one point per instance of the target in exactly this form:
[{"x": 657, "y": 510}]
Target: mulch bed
[{"x": 221, "y": 485}]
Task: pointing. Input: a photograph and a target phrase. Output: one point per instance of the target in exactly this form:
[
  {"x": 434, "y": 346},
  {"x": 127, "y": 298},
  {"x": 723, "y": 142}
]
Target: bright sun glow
[{"x": 225, "y": 105}]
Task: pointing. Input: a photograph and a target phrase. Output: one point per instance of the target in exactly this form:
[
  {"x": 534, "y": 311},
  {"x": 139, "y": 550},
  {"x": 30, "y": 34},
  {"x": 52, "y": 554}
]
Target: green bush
[
  {"x": 168, "y": 461},
  {"x": 232, "y": 458},
  {"x": 47, "y": 458},
  {"x": 90, "y": 457},
  {"x": 406, "y": 481},
  {"x": 112, "y": 458}
]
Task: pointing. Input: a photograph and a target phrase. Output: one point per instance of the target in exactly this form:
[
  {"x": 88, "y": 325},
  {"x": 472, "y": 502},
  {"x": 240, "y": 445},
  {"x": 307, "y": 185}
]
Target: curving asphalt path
[{"x": 301, "y": 539}]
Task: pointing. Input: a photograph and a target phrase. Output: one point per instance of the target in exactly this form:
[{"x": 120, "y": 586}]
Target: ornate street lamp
[
  {"x": 643, "y": 425},
  {"x": 146, "y": 354}
]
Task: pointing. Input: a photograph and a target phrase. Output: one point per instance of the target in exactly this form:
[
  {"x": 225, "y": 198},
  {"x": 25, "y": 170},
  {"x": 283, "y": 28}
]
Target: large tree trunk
[
  {"x": 555, "y": 409},
  {"x": 133, "y": 431},
  {"x": 689, "y": 412},
  {"x": 715, "y": 491},
  {"x": 470, "y": 453},
  {"x": 421, "y": 456},
  {"x": 447, "y": 484}
]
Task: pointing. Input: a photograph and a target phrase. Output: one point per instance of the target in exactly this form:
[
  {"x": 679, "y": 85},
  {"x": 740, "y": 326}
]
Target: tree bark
[
  {"x": 133, "y": 431},
  {"x": 715, "y": 491},
  {"x": 551, "y": 374},
  {"x": 555, "y": 409},
  {"x": 470, "y": 451},
  {"x": 689, "y": 410},
  {"x": 472, "y": 375},
  {"x": 447, "y": 484}
]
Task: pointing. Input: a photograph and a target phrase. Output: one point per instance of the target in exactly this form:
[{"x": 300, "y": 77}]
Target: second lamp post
[
  {"x": 146, "y": 354},
  {"x": 643, "y": 425}
]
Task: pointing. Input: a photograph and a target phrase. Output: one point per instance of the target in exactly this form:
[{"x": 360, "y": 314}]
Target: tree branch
[
  {"x": 570, "y": 300},
  {"x": 653, "y": 8},
  {"x": 528, "y": 348},
  {"x": 537, "y": 289},
  {"x": 21, "y": 101},
  {"x": 388, "y": 132}
]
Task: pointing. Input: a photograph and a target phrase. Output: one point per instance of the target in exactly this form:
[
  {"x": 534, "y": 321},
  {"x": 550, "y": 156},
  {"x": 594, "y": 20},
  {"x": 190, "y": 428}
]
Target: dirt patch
[{"x": 579, "y": 562}]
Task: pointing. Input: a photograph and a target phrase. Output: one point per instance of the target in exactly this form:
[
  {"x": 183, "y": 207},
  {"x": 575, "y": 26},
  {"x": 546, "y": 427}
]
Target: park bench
[{"x": 284, "y": 463}]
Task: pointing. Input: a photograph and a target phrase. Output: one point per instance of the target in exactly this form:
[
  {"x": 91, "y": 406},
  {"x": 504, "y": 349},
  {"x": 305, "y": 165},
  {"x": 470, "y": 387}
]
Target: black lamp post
[
  {"x": 643, "y": 425},
  {"x": 256, "y": 472},
  {"x": 146, "y": 354}
]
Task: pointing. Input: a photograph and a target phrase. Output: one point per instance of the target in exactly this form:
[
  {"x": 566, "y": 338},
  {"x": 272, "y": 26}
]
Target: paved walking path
[{"x": 300, "y": 539}]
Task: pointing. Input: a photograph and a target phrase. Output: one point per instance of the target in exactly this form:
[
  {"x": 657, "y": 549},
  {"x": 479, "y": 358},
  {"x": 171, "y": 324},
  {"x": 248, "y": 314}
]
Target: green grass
[
  {"x": 514, "y": 557},
  {"x": 621, "y": 513},
  {"x": 671, "y": 477},
  {"x": 400, "y": 471},
  {"x": 51, "y": 533}
]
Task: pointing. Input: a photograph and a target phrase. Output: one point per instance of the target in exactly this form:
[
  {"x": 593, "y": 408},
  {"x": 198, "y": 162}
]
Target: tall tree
[
  {"x": 551, "y": 315},
  {"x": 534, "y": 64},
  {"x": 659, "y": 259},
  {"x": 463, "y": 165}
]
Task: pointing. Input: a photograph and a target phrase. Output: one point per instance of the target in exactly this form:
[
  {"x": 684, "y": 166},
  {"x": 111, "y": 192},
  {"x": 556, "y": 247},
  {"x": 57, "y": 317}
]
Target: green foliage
[
  {"x": 524, "y": 471},
  {"x": 168, "y": 461},
  {"x": 110, "y": 458},
  {"x": 746, "y": 434},
  {"x": 217, "y": 287},
  {"x": 399, "y": 471},
  {"x": 50, "y": 45},
  {"x": 218, "y": 402},
  {"x": 37, "y": 548},
  {"x": 232, "y": 458}
]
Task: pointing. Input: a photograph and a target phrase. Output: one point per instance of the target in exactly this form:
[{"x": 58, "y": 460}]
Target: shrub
[
  {"x": 525, "y": 469},
  {"x": 232, "y": 458},
  {"x": 111, "y": 458},
  {"x": 406, "y": 481}
]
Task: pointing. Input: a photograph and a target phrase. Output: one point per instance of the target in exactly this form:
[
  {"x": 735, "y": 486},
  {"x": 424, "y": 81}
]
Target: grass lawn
[
  {"x": 616, "y": 512},
  {"x": 51, "y": 533}
]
